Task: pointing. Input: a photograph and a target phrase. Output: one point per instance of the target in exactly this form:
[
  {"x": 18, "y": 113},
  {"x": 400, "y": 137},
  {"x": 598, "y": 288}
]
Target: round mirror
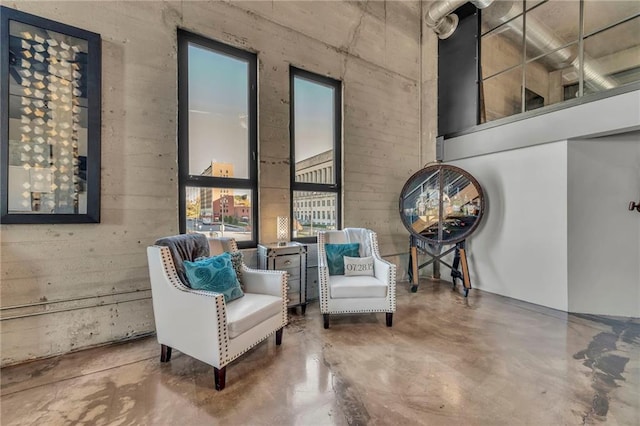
[{"x": 441, "y": 204}]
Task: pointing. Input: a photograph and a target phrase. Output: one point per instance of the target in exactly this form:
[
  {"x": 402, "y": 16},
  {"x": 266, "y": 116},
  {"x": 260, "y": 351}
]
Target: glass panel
[
  {"x": 601, "y": 14},
  {"x": 503, "y": 95},
  {"x": 502, "y": 48},
  {"x": 533, "y": 3},
  {"x": 551, "y": 26},
  {"x": 612, "y": 57},
  {"x": 218, "y": 114},
  {"x": 441, "y": 203},
  {"x": 314, "y": 131},
  {"x": 219, "y": 212},
  {"x": 312, "y": 212},
  {"x": 500, "y": 12},
  {"x": 544, "y": 78},
  {"x": 48, "y": 142},
  {"x": 460, "y": 205},
  {"x": 421, "y": 204}
]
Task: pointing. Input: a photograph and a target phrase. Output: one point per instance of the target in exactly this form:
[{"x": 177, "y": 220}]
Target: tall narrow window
[
  {"x": 316, "y": 145},
  {"x": 217, "y": 139}
]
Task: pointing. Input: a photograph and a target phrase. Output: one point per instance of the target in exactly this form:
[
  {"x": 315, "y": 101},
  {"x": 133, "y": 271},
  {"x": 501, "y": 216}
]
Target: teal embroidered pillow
[
  {"x": 236, "y": 261},
  {"x": 214, "y": 273},
  {"x": 336, "y": 254}
]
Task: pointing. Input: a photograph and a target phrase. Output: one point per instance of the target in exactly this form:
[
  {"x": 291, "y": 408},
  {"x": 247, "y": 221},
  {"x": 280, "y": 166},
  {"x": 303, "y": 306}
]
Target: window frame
[
  {"x": 332, "y": 188},
  {"x": 185, "y": 179}
]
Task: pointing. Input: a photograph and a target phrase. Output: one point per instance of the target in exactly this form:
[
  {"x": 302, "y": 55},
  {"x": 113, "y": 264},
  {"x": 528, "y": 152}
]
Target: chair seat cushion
[
  {"x": 341, "y": 287},
  {"x": 250, "y": 310}
]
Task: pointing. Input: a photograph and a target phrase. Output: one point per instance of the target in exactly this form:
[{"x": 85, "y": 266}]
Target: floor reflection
[{"x": 485, "y": 360}]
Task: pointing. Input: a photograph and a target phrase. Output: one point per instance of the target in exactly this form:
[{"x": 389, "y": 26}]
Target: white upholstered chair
[
  {"x": 200, "y": 323},
  {"x": 340, "y": 294}
]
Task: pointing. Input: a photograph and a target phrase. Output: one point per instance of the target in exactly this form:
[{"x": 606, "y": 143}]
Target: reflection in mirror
[
  {"x": 620, "y": 61},
  {"x": 502, "y": 48},
  {"x": 463, "y": 207},
  {"x": 552, "y": 68},
  {"x": 47, "y": 122},
  {"x": 48, "y": 77},
  {"x": 503, "y": 95},
  {"x": 441, "y": 203}
]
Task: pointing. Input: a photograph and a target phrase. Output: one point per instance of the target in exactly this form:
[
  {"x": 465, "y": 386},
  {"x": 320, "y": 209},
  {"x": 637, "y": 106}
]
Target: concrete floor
[{"x": 484, "y": 360}]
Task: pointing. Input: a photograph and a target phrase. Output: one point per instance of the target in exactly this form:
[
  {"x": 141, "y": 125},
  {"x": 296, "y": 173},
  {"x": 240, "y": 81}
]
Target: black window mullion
[
  {"x": 336, "y": 186},
  {"x": 202, "y": 182}
]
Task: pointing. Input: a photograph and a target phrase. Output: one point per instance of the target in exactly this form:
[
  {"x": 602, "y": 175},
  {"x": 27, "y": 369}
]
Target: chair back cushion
[
  {"x": 185, "y": 247},
  {"x": 362, "y": 236},
  {"x": 336, "y": 254},
  {"x": 214, "y": 273}
]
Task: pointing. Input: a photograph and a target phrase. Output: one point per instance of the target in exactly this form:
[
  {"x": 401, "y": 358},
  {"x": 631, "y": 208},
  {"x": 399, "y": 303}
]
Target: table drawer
[{"x": 287, "y": 263}]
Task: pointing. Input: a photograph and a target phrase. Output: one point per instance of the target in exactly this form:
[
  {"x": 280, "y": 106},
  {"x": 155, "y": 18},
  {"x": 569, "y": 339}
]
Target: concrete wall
[
  {"x": 604, "y": 236},
  {"x": 70, "y": 286}
]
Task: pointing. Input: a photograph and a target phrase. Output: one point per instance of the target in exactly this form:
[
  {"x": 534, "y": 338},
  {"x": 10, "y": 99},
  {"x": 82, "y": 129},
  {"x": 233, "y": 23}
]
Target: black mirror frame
[
  {"x": 94, "y": 72},
  {"x": 439, "y": 168}
]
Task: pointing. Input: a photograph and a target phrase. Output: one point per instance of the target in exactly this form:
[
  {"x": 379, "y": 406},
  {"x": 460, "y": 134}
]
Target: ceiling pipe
[{"x": 442, "y": 20}]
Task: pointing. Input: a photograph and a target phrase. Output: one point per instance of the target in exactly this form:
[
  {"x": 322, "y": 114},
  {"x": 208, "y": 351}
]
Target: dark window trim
[
  {"x": 184, "y": 178},
  {"x": 335, "y": 187}
]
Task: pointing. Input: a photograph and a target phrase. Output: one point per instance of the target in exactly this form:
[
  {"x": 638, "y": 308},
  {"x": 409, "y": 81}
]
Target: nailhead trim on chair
[
  {"x": 392, "y": 272},
  {"x": 284, "y": 310},
  {"x": 324, "y": 277},
  {"x": 223, "y": 337},
  {"x": 170, "y": 269},
  {"x": 284, "y": 285}
]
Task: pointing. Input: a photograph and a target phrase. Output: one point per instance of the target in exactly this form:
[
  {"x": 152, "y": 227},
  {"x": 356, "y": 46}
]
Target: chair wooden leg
[
  {"x": 389, "y": 319},
  {"x": 165, "y": 353},
  {"x": 220, "y": 377},
  {"x": 326, "y": 320},
  {"x": 279, "y": 336}
]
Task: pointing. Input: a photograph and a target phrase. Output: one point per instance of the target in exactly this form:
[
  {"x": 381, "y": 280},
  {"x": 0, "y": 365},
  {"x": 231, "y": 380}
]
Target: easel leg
[
  {"x": 466, "y": 280},
  {"x": 414, "y": 268},
  {"x": 456, "y": 262}
]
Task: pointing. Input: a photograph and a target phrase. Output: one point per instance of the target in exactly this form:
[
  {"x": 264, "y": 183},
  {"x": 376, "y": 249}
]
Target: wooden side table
[{"x": 292, "y": 258}]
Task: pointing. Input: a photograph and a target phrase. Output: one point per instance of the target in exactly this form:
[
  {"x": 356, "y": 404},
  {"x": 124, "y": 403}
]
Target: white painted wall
[
  {"x": 540, "y": 174},
  {"x": 519, "y": 250},
  {"x": 604, "y": 236}
]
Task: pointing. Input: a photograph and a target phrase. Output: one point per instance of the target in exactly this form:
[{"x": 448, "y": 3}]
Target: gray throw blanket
[{"x": 185, "y": 247}]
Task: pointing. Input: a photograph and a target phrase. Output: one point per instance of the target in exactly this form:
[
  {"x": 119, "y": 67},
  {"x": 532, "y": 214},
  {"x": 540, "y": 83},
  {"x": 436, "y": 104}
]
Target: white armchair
[
  {"x": 341, "y": 294},
  {"x": 200, "y": 323}
]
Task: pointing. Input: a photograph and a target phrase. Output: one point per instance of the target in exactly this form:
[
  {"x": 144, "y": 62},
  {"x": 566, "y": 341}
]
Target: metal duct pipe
[
  {"x": 440, "y": 18},
  {"x": 592, "y": 75}
]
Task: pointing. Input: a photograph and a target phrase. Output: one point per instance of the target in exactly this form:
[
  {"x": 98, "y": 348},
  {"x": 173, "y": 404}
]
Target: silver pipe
[{"x": 440, "y": 18}]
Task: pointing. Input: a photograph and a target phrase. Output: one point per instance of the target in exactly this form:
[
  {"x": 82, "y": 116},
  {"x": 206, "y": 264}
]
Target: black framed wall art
[{"x": 50, "y": 113}]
